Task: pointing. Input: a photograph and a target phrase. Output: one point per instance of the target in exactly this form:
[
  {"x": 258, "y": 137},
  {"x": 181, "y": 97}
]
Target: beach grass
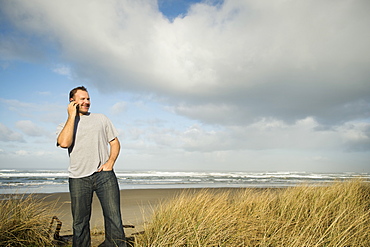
[
  {"x": 305, "y": 215},
  {"x": 25, "y": 221}
]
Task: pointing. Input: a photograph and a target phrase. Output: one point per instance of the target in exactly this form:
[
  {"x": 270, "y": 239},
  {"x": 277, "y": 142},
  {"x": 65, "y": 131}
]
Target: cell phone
[{"x": 77, "y": 106}]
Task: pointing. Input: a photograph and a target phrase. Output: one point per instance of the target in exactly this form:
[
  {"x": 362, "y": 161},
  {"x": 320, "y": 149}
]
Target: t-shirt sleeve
[
  {"x": 59, "y": 129},
  {"x": 110, "y": 130}
]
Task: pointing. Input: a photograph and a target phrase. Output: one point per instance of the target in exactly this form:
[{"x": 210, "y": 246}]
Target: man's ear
[{"x": 71, "y": 99}]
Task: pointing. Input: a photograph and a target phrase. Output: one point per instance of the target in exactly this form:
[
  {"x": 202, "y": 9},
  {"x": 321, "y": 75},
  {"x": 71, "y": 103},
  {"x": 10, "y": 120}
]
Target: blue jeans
[{"x": 105, "y": 185}]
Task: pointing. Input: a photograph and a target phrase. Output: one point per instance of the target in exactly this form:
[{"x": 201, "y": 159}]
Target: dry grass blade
[
  {"x": 335, "y": 215},
  {"x": 25, "y": 221}
]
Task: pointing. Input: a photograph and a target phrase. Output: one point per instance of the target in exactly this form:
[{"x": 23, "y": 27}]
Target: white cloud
[
  {"x": 44, "y": 93},
  {"x": 22, "y": 153},
  {"x": 49, "y": 112},
  {"x": 16, "y": 105},
  {"x": 267, "y": 134},
  {"x": 319, "y": 158},
  {"x": 118, "y": 108},
  {"x": 355, "y": 136},
  {"x": 34, "y": 154},
  {"x": 63, "y": 70},
  {"x": 29, "y": 128},
  {"x": 16, "y": 47},
  {"x": 8, "y": 135},
  {"x": 283, "y": 60},
  {"x": 269, "y": 144},
  {"x": 258, "y": 77},
  {"x": 210, "y": 113}
]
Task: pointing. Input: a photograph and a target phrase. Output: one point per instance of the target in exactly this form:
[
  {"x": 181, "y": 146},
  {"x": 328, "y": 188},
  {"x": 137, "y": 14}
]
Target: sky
[{"x": 233, "y": 85}]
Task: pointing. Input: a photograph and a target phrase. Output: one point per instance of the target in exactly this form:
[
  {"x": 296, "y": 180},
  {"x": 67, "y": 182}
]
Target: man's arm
[
  {"x": 65, "y": 138},
  {"x": 115, "y": 148}
]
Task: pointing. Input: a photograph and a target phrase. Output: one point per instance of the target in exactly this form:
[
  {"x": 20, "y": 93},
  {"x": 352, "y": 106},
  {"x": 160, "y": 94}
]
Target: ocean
[{"x": 53, "y": 181}]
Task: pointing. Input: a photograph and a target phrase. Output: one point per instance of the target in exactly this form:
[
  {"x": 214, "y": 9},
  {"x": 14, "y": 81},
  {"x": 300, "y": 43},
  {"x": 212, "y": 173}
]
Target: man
[{"x": 87, "y": 135}]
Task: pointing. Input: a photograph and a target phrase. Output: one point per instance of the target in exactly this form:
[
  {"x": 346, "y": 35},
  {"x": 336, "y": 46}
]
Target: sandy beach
[
  {"x": 311, "y": 215},
  {"x": 136, "y": 206}
]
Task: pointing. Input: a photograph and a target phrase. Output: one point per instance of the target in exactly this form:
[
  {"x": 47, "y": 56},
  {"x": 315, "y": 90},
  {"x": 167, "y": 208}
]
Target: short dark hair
[{"x": 73, "y": 91}]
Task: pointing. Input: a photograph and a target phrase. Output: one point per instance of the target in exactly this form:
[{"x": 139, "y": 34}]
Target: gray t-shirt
[{"x": 89, "y": 151}]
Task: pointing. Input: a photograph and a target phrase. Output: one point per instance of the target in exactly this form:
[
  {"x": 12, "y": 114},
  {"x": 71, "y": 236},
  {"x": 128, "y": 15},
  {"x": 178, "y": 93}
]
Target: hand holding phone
[{"x": 72, "y": 108}]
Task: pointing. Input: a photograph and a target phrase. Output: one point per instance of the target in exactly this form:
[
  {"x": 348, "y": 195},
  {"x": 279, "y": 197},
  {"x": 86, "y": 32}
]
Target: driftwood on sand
[{"x": 60, "y": 240}]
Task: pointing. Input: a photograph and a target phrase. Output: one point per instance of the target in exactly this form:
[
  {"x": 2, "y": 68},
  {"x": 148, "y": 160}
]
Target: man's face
[{"x": 82, "y": 98}]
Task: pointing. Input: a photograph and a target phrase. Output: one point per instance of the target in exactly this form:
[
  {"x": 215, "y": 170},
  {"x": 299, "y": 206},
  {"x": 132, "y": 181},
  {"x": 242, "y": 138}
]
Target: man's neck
[{"x": 84, "y": 114}]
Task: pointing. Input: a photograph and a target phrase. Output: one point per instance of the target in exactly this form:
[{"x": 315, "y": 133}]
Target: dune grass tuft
[
  {"x": 335, "y": 215},
  {"x": 24, "y": 221}
]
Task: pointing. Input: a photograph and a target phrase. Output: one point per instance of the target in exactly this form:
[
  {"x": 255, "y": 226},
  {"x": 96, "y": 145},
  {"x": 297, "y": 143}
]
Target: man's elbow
[{"x": 63, "y": 144}]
